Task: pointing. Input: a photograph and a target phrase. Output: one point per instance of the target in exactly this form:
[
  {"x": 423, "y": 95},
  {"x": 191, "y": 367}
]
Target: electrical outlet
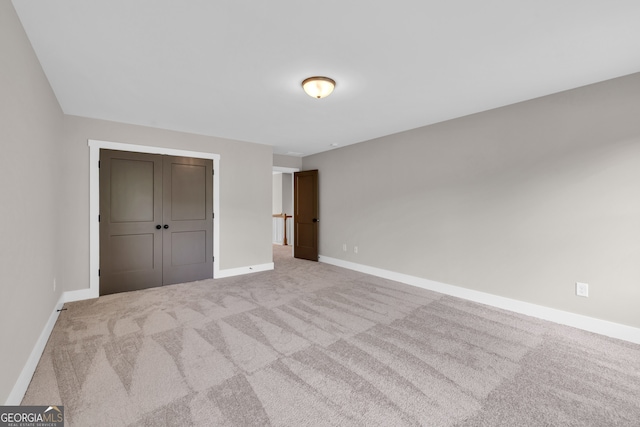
[
  {"x": 582, "y": 289},
  {"x": 344, "y": 247},
  {"x": 355, "y": 249}
]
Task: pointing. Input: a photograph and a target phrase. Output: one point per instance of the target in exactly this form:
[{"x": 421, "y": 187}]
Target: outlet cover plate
[{"x": 582, "y": 289}]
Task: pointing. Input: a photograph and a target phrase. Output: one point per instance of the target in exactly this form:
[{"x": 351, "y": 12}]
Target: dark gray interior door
[
  {"x": 156, "y": 221},
  {"x": 188, "y": 218},
  {"x": 130, "y": 211}
]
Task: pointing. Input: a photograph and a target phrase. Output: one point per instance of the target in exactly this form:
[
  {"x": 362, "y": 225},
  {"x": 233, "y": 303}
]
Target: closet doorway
[{"x": 156, "y": 220}]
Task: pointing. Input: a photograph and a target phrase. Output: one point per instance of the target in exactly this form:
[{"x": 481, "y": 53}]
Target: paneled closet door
[
  {"x": 130, "y": 221},
  {"x": 188, "y": 220},
  {"x": 156, "y": 222}
]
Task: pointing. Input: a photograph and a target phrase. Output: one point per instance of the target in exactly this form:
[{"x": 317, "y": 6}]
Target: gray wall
[
  {"x": 277, "y": 193},
  {"x": 30, "y": 130},
  {"x": 245, "y": 192},
  {"x": 284, "y": 188},
  {"x": 287, "y": 193},
  {"x": 287, "y": 161},
  {"x": 283, "y": 193},
  {"x": 521, "y": 201}
]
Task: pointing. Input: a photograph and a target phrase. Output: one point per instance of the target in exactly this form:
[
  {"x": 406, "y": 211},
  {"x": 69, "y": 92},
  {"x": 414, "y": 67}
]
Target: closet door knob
[
  {"x": 166, "y": 226},
  {"x": 158, "y": 227}
]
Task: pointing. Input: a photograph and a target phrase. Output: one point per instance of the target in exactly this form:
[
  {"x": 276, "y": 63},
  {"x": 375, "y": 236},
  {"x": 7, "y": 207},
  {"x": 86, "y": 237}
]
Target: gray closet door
[
  {"x": 188, "y": 220},
  {"x": 156, "y": 225},
  {"x": 130, "y": 211}
]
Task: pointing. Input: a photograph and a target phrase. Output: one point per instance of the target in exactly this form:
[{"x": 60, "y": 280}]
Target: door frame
[
  {"x": 94, "y": 203},
  {"x": 293, "y": 195}
]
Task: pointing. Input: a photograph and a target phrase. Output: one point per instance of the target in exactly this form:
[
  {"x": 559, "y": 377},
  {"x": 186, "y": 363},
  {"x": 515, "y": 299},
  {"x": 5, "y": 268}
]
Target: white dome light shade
[{"x": 318, "y": 87}]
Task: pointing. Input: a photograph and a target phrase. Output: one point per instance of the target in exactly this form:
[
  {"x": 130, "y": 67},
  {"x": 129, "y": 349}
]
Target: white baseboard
[
  {"x": 229, "y": 272},
  {"x": 602, "y": 327},
  {"x": 81, "y": 294},
  {"x": 21, "y": 385}
]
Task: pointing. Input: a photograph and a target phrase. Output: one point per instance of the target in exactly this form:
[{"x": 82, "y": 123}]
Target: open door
[{"x": 305, "y": 213}]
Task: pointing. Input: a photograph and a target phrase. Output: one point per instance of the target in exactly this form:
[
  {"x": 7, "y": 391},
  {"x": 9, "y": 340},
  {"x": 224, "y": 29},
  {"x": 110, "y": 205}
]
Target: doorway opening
[{"x": 282, "y": 213}]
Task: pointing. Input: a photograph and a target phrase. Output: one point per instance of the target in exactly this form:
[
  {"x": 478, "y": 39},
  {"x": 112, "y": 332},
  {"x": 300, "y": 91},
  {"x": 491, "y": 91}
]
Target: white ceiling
[{"x": 233, "y": 68}]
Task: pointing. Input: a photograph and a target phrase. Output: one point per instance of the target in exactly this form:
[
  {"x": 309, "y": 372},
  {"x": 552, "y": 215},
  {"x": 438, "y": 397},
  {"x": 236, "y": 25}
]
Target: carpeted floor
[{"x": 310, "y": 344}]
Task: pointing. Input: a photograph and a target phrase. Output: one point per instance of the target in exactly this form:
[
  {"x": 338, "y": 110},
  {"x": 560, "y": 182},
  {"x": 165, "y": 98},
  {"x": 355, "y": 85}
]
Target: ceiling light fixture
[{"x": 318, "y": 87}]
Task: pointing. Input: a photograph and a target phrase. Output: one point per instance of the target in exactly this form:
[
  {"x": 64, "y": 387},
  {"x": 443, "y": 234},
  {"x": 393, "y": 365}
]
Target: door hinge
[
  {"x": 213, "y": 215},
  {"x": 98, "y": 218},
  {"x": 98, "y": 272},
  {"x": 213, "y": 258},
  {"x": 98, "y": 164},
  {"x": 213, "y": 172}
]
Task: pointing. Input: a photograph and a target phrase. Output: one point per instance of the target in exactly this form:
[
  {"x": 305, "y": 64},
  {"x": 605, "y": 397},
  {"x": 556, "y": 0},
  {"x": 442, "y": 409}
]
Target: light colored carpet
[{"x": 312, "y": 344}]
